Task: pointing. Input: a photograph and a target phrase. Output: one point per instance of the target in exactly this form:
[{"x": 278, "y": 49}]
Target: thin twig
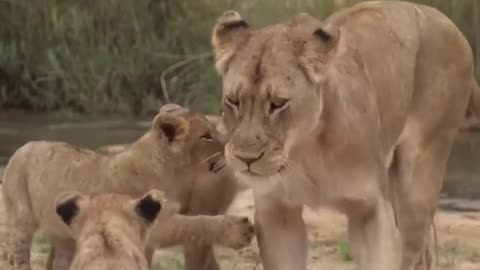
[
  {"x": 235, "y": 261},
  {"x": 257, "y": 262},
  {"x": 476, "y": 31},
  {"x": 435, "y": 239},
  {"x": 178, "y": 65}
]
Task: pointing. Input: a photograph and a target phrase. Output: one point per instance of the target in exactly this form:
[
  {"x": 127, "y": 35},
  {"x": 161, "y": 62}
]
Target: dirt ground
[{"x": 458, "y": 238}]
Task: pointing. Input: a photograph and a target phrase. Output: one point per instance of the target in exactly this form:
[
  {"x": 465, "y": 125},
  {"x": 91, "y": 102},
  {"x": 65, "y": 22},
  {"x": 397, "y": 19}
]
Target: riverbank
[
  {"x": 458, "y": 239},
  {"x": 462, "y": 179}
]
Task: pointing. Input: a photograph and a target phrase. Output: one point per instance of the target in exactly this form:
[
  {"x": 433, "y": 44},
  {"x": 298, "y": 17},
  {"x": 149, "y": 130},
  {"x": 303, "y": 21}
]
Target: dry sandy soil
[{"x": 458, "y": 238}]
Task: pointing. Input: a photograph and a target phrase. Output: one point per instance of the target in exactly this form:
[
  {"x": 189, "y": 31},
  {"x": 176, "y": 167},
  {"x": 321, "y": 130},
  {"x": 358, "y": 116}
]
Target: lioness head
[
  {"x": 186, "y": 139},
  {"x": 272, "y": 88},
  {"x": 111, "y": 215}
]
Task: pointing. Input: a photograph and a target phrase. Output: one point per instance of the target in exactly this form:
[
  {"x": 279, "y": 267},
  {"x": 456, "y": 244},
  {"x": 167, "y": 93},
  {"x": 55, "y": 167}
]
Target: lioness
[
  {"x": 179, "y": 155},
  {"x": 110, "y": 230},
  {"x": 358, "y": 112}
]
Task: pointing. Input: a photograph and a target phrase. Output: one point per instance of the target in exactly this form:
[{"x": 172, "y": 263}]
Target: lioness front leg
[
  {"x": 374, "y": 237},
  {"x": 281, "y": 233}
]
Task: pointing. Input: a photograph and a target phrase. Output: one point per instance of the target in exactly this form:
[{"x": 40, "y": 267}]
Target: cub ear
[
  {"x": 219, "y": 124},
  {"x": 173, "y": 108},
  {"x": 68, "y": 206},
  {"x": 327, "y": 36},
  {"x": 172, "y": 127},
  {"x": 229, "y": 33},
  {"x": 149, "y": 205}
]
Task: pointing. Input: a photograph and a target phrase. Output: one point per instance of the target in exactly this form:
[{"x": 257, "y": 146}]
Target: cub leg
[
  {"x": 61, "y": 254},
  {"x": 229, "y": 231},
  {"x": 200, "y": 257},
  {"x": 20, "y": 224},
  {"x": 51, "y": 257},
  {"x": 202, "y": 230},
  {"x": 20, "y": 235}
]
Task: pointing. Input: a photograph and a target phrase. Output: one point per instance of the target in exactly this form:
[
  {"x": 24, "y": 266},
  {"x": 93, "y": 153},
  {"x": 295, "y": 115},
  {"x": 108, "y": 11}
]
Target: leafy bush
[{"x": 108, "y": 56}]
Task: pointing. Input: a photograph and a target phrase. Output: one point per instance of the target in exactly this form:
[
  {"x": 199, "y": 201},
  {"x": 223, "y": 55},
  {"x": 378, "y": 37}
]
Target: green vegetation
[
  {"x": 40, "y": 244},
  {"x": 345, "y": 250},
  {"x": 455, "y": 251},
  {"x": 171, "y": 264},
  {"x": 108, "y": 56}
]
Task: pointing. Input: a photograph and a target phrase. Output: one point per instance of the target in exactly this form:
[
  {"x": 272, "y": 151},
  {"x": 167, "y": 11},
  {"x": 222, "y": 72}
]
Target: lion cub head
[
  {"x": 183, "y": 139},
  {"x": 110, "y": 230},
  {"x": 273, "y": 88}
]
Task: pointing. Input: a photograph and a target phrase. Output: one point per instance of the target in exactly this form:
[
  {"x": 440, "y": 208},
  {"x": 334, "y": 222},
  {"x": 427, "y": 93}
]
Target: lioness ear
[
  {"x": 172, "y": 127},
  {"x": 317, "y": 51},
  {"x": 68, "y": 206},
  {"x": 149, "y": 205},
  {"x": 228, "y": 34}
]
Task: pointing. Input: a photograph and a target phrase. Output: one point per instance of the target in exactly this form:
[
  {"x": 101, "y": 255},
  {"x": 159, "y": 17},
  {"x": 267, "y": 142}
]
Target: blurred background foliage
[{"x": 109, "y": 56}]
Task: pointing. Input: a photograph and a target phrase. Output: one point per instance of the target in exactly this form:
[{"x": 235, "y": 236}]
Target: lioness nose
[{"x": 249, "y": 160}]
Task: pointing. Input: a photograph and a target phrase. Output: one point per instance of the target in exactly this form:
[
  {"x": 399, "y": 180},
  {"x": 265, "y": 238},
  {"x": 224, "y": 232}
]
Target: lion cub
[
  {"x": 181, "y": 155},
  {"x": 110, "y": 230}
]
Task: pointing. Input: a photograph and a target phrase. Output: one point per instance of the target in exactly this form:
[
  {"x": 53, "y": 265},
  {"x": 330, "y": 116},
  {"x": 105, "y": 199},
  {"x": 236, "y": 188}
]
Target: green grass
[
  {"x": 170, "y": 264},
  {"x": 455, "y": 251},
  {"x": 40, "y": 245},
  {"x": 345, "y": 251},
  {"x": 108, "y": 56}
]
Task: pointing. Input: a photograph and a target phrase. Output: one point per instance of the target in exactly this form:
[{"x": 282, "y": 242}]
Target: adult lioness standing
[{"x": 358, "y": 112}]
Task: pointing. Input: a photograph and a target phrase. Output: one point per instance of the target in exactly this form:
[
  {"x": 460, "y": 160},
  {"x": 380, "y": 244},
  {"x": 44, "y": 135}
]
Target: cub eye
[
  {"x": 232, "y": 101},
  {"x": 207, "y": 137},
  {"x": 278, "y": 104}
]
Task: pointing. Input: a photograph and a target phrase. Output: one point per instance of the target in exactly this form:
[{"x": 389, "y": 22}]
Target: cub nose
[{"x": 249, "y": 160}]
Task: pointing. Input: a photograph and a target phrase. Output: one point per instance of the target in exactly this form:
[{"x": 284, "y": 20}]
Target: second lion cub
[{"x": 110, "y": 230}]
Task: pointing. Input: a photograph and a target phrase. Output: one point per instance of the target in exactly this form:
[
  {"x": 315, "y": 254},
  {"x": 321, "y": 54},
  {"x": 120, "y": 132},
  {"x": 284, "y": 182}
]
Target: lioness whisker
[
  {"x": 283, "y": 182},
  {"x": 291, "y": 167}
]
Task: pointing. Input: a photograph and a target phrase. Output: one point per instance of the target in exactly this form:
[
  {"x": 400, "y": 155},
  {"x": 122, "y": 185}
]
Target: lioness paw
[{"x": 237, "y": 232}]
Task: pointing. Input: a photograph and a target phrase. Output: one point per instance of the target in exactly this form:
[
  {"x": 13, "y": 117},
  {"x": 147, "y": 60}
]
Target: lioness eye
[
  {"x": 207, "y": 137},
  {"x": 232, "y": 101},
  {"x": 277, "y": 104}
]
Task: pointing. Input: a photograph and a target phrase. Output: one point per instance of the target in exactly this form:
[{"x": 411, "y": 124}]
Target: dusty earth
[{"x": 458, "y": 239}]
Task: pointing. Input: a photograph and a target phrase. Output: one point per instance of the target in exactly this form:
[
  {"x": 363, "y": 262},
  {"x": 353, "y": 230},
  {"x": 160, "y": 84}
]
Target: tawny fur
[
  {"x": 358, "y": 112},
  {"x": 175, "y": 156},
  {"x": 110, "y": 231}
]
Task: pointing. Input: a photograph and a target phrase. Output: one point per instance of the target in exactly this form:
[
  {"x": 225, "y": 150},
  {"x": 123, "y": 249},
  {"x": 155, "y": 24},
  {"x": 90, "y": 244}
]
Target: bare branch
[{"x": 176, "y": 66}]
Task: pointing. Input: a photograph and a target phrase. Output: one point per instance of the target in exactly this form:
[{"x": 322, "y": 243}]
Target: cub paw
[{"x": 237, "y": 232}]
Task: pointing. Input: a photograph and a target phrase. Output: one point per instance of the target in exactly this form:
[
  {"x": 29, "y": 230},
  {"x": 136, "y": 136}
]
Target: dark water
[
  {"x": 18, "y": 130},
  {"x": 463, "y": 179}
]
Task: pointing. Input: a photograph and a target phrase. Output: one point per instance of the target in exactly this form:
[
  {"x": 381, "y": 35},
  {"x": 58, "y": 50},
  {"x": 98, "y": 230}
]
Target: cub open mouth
[{"x": 216, "y": 167}]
